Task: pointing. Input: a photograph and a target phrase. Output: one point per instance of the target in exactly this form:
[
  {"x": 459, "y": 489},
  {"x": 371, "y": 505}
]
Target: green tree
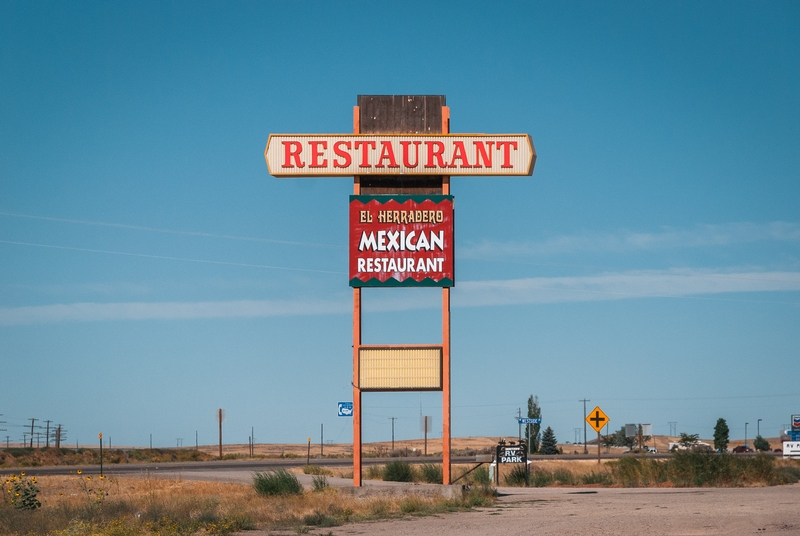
[
  {"x": 721, "y": 433},
  {"x": 688, "y": 440},
  {"x": 533, "y": 434},
  {"x": 761, "y": 444},
  {"x": 618, "y": 439},
  {"x": 549, "y": 443}
]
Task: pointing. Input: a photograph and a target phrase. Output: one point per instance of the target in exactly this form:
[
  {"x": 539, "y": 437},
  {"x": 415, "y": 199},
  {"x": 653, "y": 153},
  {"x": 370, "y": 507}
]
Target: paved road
[{"x": 222, "y": 467}]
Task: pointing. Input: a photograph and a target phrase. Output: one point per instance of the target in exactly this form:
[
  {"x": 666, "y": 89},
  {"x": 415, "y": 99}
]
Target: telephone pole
[
  {"x": 32, "y": 421},
  {"x": 519, "y": 424},
  {"x": 393, "y": 419},
  {"x": 585, "y": 400},
  {"x": 47, "y": 433}
]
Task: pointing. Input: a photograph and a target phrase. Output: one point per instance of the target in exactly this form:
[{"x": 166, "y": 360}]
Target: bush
[
  {"x": 316, "y": 470},
  {"x": 517, "y": 476},
  {"x": 785, "y": 475},
  {"x": 431, "y": 473},
  {"x": 320, "y": 483},
  {"x": 319, "y": 519},
  {"x": 603, "y": 479},
  {"x": 278, "y": 482},
  {"x": 398, "y": 471},
  {"x": 540, "y": 478},
  {"x": 478, "y": 496},
  {"x": 481, "y": 475},
  {"x": 412, "y": 504},
  {"x": 374, "y": 472}
]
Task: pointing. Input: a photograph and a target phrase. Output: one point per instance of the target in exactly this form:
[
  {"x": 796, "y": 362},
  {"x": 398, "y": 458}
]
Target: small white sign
[{"x": 791, "y": 449}]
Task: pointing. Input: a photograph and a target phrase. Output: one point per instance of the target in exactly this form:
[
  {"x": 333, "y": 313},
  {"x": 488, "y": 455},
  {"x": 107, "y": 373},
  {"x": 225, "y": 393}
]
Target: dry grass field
[{"x": 78, "y": 505}]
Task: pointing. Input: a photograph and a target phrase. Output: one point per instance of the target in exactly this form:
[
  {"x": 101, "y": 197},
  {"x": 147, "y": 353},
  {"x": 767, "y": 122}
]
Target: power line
[
  {"x": 163, "y": 257},
  {"x": 170, "y": 231}
]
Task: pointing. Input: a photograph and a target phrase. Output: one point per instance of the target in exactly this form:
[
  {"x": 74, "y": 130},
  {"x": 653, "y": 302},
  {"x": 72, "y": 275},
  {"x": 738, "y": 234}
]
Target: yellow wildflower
[{"x": 80, "y": 471}]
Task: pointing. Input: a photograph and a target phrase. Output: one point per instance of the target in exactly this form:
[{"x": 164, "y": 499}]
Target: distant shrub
[
  {"x": 319, "y": 519},
  {"x": 373, "y": 472},
  {"x": 476, "y": 496},
  {"x": 541, "y": 478},
  {"x": 320, "y": 483},
  {"x": 431, "y": 473},
  {"x": 398, "y": 471},
  {"x": 481, "y": 475},
  {"x": 517, "y": 476},
  {"x": 278, "y": 482},
  {"x": 412, "y": 504},
  {"x": 316, "y": 470},
  {"x": 603, "y": 479}
]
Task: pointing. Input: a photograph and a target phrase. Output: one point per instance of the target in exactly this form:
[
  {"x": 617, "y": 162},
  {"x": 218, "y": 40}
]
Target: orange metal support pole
[
  {"x": 446, "y": 475},
  {"x": 356, "y": 343}
]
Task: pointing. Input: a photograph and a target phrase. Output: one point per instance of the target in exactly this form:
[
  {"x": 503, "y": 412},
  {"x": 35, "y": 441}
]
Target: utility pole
[
  {"x": 393, "y": 419},
  {"x": 673, "y": 428},
  {"x": 577, "y": 435},
  {"x": 321, "y": 439},
  {"x": 219, "y": 418},
  {"x": 151, "y": 441},
  {"x": 745, "y": 434},
  {"x": 519, "y": 425},
  {"x": 47, "y": 434},
  {"x": 196, "y": 444},
  {"x": 585, "y": 400},
  {"x": 32, "y": 421}
]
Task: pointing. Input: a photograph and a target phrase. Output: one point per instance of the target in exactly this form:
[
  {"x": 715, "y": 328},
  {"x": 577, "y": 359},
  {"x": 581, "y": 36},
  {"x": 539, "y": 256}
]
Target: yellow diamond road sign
[{"x": 597, "y": 419}]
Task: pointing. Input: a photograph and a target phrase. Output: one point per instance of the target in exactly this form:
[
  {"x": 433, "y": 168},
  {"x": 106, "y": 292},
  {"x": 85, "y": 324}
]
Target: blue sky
[{"x": 151, "y": 270}]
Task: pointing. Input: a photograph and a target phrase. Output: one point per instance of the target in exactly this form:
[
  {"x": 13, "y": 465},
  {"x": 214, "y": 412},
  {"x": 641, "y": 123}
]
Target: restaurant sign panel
[
  {"x": 401, "y": 241},
  {"x": 347, "y": 155}
]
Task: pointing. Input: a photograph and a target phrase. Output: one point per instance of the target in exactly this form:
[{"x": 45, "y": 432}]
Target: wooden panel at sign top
[{"x": 401, "y": 114}]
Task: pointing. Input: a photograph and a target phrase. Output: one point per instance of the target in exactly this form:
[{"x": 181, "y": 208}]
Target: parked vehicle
[{"x": 741, "y": 448}]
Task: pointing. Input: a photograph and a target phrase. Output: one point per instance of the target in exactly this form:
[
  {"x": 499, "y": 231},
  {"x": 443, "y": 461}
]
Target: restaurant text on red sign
[{"x": 401, "y": 240}]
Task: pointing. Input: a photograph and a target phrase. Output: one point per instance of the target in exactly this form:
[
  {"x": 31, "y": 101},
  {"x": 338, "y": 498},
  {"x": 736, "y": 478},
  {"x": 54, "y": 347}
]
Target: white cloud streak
[
  {"x": 667, "y": 238},
  {"x": 685, "y": 284}
]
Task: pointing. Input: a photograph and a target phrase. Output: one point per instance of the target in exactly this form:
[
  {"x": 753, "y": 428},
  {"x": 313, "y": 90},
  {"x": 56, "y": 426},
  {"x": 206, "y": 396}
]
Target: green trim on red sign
[
  {"x": 392, "y": 282},
  {"x": 400, "y": 198}
]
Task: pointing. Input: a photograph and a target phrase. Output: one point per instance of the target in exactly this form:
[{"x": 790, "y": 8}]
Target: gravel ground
[{"x": 643, "y": 511}]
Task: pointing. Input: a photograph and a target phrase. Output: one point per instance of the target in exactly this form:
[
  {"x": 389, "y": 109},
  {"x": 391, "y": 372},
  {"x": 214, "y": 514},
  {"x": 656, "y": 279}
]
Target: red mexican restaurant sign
[
  {"x": 344, "y": 155},
  {"x": 401, "y": 241}
]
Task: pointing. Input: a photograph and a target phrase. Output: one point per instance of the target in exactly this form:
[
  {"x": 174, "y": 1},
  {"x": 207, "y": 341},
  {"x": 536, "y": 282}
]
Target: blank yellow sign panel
[
  {"x": 597, "y": 419},
  {"x": 400, "y": 368}
]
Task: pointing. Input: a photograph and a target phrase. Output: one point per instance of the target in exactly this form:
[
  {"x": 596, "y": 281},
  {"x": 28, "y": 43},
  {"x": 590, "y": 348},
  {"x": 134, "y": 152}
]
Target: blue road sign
[
  {"x": 794, "y": 435},
  {"x": 345, "y": 409},
  {"x": 526, "y": 420}
]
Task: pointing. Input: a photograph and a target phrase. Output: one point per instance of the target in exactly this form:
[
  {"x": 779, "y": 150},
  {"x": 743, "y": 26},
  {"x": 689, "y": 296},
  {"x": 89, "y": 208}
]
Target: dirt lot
[{"x": 652, "y": 511}]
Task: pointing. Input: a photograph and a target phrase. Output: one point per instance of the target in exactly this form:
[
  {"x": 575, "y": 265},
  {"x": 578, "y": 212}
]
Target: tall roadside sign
[
  {"x": 401, "y": 156},
  {"x": 597, "y": 420}
]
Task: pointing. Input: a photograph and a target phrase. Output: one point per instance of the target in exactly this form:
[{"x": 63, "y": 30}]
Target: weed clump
[
  {"x": 517, "y": 476},
  {"x": 278, "y": 482},
  {"x": 320, "y": 483},
  {"x": 398, "y": 471},
  {"x": 316, "y": 470},
  {"x": 431, "y": 473}
]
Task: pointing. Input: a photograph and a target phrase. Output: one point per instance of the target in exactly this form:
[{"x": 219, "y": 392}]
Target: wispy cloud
[
  {"x": 666, "y": 238},
  {"x": 622, "y": 285},
  {"x": 87, "y": 312},
  {"x": 536, "y": 290}
]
